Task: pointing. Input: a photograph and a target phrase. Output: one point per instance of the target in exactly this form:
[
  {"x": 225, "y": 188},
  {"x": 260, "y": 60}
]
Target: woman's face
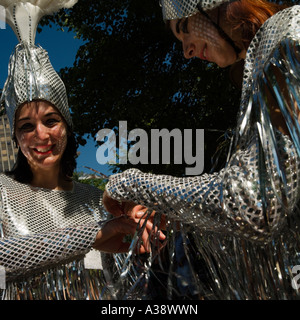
[
  {"x": 201, "y": 39},
  {"x": 41, "y": 133}
]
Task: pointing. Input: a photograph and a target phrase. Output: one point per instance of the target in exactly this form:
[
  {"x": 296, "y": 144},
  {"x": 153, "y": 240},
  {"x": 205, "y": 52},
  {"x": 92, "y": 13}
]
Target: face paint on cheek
[
  {"x": 61, "y": 139},
  {"x": 23, "y": 145}
]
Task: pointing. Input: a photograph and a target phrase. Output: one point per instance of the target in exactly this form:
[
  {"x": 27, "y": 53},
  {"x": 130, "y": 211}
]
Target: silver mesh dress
[
  {"x": 244, "y": 219},
  {"x": 45, "y": 236}
]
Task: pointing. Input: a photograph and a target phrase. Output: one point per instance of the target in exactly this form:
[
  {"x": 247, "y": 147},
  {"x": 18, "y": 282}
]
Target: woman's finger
[{"x": 151, "y": 229}]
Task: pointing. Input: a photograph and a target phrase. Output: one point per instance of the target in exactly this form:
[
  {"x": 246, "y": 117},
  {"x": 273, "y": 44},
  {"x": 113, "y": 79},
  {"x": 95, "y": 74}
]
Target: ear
[{"x": 14, "y": 139}]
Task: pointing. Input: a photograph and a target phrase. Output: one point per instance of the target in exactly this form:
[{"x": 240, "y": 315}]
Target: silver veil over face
[
  {"x": 196, "y": 22},
  {"x": 30, "y": 73},
  {"x": 177, "y": 9}
]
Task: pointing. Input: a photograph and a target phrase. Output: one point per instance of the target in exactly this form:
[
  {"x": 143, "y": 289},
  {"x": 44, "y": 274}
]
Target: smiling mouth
[{"x": 44, "y": 149}]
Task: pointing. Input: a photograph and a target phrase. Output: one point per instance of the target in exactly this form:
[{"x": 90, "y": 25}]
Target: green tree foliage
[
  {"x": 93, "y": 180},
  {"x": 131, "y": 68}
]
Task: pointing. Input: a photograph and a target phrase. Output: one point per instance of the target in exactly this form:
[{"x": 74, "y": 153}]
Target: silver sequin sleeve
[
  {"x": 24, "y": 255},
  {"x": 228, "y": 201}
]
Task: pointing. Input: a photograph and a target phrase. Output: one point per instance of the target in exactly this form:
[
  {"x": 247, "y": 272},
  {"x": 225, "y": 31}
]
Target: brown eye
[
  {"x": 51, "y": 122},
  {"x": 26, "y": 127},
  {"x": 178, "y": 26},
  {"x": 184, "y": 27}
]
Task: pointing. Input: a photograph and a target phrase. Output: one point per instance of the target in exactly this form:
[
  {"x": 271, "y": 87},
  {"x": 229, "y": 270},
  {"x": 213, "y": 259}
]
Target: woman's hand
[
  {"x": 138, "y": 214},
  {"x": 149, "y": 232},
  {"x": 111, "y": 237}
]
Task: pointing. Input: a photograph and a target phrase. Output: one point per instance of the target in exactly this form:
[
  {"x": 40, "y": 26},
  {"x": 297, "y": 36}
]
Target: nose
[
  {"x": 41, "y": 132},
  {"x": 189, "y": 50}
]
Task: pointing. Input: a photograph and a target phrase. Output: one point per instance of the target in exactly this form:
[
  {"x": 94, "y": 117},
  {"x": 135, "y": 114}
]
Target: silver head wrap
[
  {"x": 30, "y": 73},
  {"x": 200, "y": 25},
  {"x": 177, "y": 9}
]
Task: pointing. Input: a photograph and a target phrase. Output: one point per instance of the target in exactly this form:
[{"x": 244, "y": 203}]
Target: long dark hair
[{"x": 21, "y": 171}]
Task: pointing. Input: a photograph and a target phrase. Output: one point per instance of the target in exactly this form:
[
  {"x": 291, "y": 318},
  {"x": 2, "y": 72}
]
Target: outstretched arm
[
  {"x": 27, "y": 254},
  {"x": 230, "y": 201}
]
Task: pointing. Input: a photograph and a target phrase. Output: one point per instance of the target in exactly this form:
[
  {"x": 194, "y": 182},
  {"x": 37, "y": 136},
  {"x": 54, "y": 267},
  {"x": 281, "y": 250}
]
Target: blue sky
[{"x": 62, "y": 48}]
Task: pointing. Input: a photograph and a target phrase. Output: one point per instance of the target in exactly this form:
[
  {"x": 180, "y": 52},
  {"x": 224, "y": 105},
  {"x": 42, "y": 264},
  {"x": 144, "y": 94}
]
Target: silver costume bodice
[
  {"x": 45, "y": 236},
  {"x": 245, "y": 218}
]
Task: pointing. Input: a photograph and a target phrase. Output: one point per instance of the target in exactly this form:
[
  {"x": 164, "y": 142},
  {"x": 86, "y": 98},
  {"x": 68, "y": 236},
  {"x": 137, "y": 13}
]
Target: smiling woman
[
  {"x": 42, "y": 134},
  {"x": 222, "y": 35},
  {"x": 42, "y": 146},
  {"x": 200, "y": 39},
  {"x": 50, "y": 225}
]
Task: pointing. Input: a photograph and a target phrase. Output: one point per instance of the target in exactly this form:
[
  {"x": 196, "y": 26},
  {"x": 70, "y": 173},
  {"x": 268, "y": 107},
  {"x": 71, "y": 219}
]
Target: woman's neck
[{"x": 50, "y": 179}]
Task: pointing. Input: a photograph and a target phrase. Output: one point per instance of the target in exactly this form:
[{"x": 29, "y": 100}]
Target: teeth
[
  {"x": 43, "y": 150},
  {"x": 204, "y": 53}
]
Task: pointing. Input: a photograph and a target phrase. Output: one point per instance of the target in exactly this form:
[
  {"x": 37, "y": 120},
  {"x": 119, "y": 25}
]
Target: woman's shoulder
[
  {"x": 284, "y": 19},
  {"x": 282, "y": 25},
  {"x": 6, "y": 179},
  {"x": 87, "y": 192},
  {"x": 87, "y": 187}
]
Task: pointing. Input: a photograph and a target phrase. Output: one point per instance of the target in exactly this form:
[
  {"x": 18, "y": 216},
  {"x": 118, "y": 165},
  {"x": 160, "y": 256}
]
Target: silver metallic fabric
[
  {"x": 177, "y": 9},
  {"x": 32, "y": 77},
  {"x": 24, "y": 15},
  {"x": 244, "y": 220},
  {"x": 45, "y": 235},
  {"x": 30, "y": 73}
]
